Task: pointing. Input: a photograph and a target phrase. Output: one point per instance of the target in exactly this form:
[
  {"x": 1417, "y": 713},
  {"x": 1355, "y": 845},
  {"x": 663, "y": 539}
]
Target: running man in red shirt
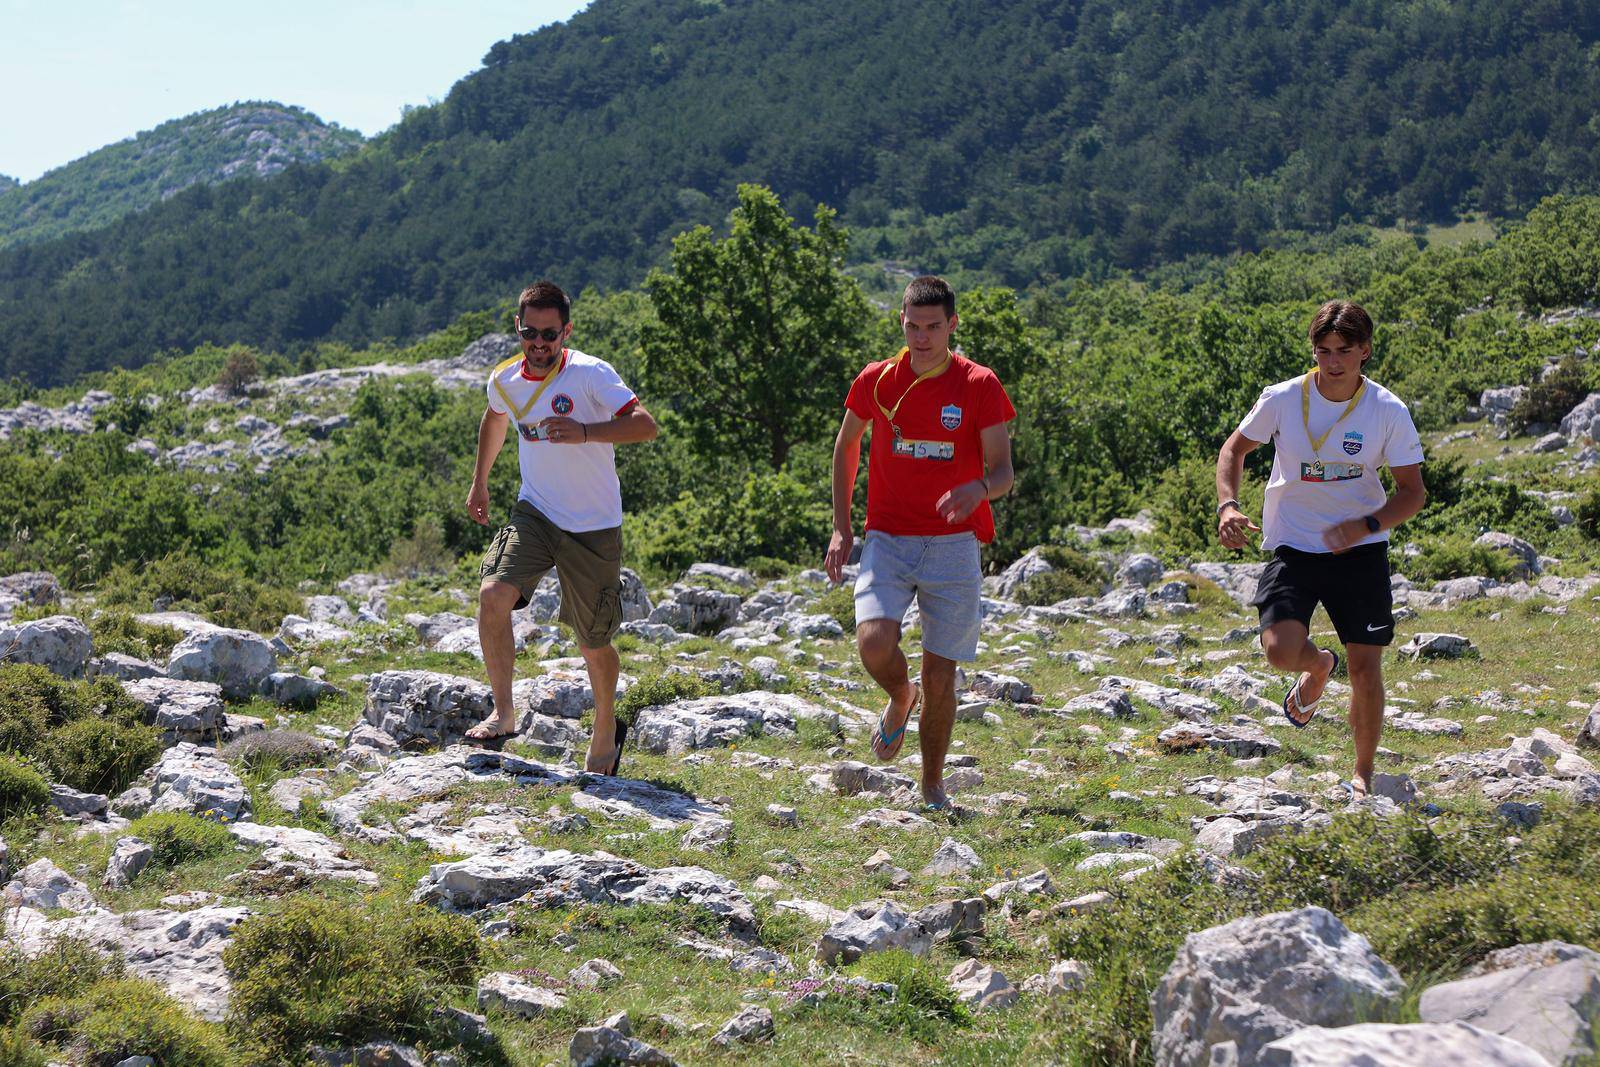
[{"x": 940, "y": 453}]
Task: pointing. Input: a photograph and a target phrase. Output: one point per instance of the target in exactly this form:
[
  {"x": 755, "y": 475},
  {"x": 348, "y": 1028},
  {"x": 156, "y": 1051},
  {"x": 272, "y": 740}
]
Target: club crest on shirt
[
  {"x": 950, "y": 416},
  {"x": 562, "y": 405},
  {"x": 1352, "y": 443}
]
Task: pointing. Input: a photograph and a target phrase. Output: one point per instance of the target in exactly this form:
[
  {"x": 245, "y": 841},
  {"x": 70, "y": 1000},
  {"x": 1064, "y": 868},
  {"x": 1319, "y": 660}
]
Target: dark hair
[
  {"x": 927, "y": 291},
  {"x": 1348, "y": 320},
  {"x": 542, "y": 294}
]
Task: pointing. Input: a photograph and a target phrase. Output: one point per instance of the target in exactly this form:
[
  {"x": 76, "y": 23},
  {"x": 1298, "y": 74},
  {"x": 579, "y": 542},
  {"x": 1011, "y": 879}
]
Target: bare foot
[{"x": 490, "y": 729}]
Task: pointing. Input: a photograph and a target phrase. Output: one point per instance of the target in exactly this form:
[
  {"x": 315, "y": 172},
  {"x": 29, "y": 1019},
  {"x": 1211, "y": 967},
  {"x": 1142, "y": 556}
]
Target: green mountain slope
[
  {"x": 250, "y": 139},
  {"x": 1019, "y": 141}
]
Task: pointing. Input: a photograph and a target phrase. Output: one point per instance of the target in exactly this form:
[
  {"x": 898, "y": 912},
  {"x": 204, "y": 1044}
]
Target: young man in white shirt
[
  {"x": 568, "y": 409},
  {"x": 1327, "y": 519}
]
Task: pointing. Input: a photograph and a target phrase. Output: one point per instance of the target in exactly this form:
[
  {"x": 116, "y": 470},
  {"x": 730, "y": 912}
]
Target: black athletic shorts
[{"x": 1353, "y": 586}]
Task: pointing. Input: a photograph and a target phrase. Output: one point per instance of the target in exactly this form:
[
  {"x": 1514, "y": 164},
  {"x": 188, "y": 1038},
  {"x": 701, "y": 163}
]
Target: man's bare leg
[
  {"x": 1366, "y": 706},
  {"x": 878, "y": 641},
  {"x": 937, "y": 720},
  {"x": 1288, "y": 647},
  {"x": 496, "y": 600},
  {"x": 604, "y": 665}
]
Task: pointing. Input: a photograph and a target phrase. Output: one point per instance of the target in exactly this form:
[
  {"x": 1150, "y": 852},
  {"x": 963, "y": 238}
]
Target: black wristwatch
[{"x": 1373, "y": 525}]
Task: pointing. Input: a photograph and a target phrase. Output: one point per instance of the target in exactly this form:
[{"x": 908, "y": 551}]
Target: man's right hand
[
  {"x": 478, "y": 504},
  {"x": 1233, "y": 528},
  {"x": 838, "y": 554}
]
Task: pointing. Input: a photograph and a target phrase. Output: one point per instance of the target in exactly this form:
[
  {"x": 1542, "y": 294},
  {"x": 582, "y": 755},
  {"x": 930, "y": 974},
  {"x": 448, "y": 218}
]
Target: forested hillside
[
  {"x": 1019, "y": 142},
  {"x": 242, "y": 140}
]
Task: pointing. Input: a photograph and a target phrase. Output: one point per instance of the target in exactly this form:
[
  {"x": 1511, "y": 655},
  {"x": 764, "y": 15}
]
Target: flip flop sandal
[
  {"x": 1309, "y": 710},
  {"x": 890, "y": 742},
  {"x": 622, "y": 735}
]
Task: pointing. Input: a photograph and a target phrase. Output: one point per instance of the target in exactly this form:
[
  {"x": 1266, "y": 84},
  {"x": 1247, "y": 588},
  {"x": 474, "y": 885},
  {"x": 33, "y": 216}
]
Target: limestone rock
[
  {"x": 1583, "y": 420},
  {"x": 559, "y": 877},
  {"x": 1067, "y": 976},
  {"x": 1525, "y": 557},
  {"x": 1254, "y": 980},
  {"x": 981, "y": 987},
  {"x": 181, "y": 710},
  {"x": 516, "y": 995},
  {"x": 1437, "y": 646},
  {"x": 695, "y": 610},
  {"x": 43, "y": 885},
  {"x": 60, "y": 643},
  {"x": 124, "y": 668},
  {"x": 128, "y": 857},
  {"x": 298, "y": 630},
  {"x": 1243, "y": 742},
  {"x": 716, "y": 721},
  {"x": 425, "y": 707},
  {"x": 1545, "y": 996},
  {"x": 237, "y": 660},
  {"x": 594, "y": 1046},
  {"x": 872, "y": 926},
  {"x": 953, "y": 858},
  {"x": 73, "y": 804},
  {"x": 1589, "y": 732},
  {"x": 751, "y": 1026},
  {"x": 296, "y": 690},
  {"x": 1393, "y": 1045},
  {"x": 1139, "y": 569},
  {"x": 302, "y": 852},
  {"x": 595, "y": 974},
  {"x": 179, "y": 950},
  {"x": 191, "y": 778}
]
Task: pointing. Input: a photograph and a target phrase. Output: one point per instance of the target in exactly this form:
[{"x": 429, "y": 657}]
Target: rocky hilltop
[
  {"x": 1146, "y": 863},
  {"x": 241, "y": 140}
]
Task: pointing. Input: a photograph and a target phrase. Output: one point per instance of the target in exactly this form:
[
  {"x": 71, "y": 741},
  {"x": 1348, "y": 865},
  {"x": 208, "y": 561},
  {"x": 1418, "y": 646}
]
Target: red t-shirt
[{"x": 937, "y": 449}]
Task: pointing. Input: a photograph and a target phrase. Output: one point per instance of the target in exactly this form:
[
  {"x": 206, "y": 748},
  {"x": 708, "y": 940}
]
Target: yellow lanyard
[
  {"x": 905, "y": 353},
  {"x": 517, "y": 412},
  {"x": 1305, "y": 411}
]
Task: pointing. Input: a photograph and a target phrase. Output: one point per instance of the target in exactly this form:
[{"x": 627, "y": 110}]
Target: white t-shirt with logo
[
  {"x": 574, "y": 485},
  {"x": 1309, "y": 492}
]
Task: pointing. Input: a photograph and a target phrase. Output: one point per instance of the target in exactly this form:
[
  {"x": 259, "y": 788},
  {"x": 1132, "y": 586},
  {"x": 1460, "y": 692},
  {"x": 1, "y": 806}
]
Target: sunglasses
[{"x": 528, "y": 333}]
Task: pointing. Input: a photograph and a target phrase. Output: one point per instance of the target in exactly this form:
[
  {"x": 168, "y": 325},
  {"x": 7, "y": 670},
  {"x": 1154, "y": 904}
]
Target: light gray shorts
[{"x": 943, "y": 573}]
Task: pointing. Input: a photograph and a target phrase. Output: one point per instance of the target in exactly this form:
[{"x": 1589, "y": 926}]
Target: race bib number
[
  {"x": 924, "y": 449},
  {"x": 1319, "y": 471}
]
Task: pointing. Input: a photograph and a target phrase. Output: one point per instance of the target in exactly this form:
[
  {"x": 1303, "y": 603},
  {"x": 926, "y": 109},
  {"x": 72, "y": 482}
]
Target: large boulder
[
  {"x": 694, "y": 610},
  {"x": 237, "y": 660},
  {"x": 425, "y": 707},
  {"x": 41, "y": 884},
  {"x": 715, "y": 721},
  {"x": 1583, "y": 420},
  {"x": 181, "y": 710},
  {"x": 1030, "y": 565},
  {"x": 1546, "y": 996},
  {"x": 39, "y": 588},
  {"x": 872, "y": 926},
  {"x": 60, "y": 643},
  {"x": 1392, "y": 1045},
  {"x": 1437, "y": 646},
  {"x": 1250, "y": 982}
]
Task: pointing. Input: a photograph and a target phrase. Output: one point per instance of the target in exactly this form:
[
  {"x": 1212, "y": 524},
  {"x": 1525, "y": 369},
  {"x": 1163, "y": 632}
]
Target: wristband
[{"x": 1226, "y": 504}]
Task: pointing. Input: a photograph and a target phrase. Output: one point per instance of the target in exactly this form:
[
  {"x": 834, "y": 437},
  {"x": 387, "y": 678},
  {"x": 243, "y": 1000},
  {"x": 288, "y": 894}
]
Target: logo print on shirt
[
  {"x": 1352, "y": 443},
  {"x": 950, "y": 416},
  {"x": 562, "y": 405}
]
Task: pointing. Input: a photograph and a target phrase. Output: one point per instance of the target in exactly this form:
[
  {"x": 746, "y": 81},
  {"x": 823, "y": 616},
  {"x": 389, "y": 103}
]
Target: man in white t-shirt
[
  {"x": 1327, "y": 519},
  {"x": 567, "y": 409}
]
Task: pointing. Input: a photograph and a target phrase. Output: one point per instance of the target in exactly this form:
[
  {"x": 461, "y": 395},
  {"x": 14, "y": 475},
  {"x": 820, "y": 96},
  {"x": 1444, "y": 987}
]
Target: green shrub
[
  {"x": 1588, "y": 515},
  {"x": 1550, "y": 398},
  {"x": 1360, "y": 858},
  {"x": 1454, "y": 556},
  {"x": 119, "y": 631},
  {"x": 22, "y": 789},
  {"x": 33, "y": 701},
  {"x": 1207, "y": 594},
  {"x": 17, "y": 1049},
  {"x": 224, "y": 597},
  {"x": 839, "y": 603},
  {"x": 655, "y": 689},
  {"x": 99, "y": 755},
  {"x": 1075, "y": 573},
  {"x": 283, "y": 749},
  {"x": 321, "y": 971},
  {"x": 124, "y": 1017},
  {"x": 178, "y": 837},
  {"x": 64, "y": 968}
]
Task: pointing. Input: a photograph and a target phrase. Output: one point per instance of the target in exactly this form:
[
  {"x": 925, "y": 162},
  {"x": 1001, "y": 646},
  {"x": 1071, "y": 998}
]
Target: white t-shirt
[
  {"x": 1303, "y": 499},
  {"x": 574, "y": 486}
]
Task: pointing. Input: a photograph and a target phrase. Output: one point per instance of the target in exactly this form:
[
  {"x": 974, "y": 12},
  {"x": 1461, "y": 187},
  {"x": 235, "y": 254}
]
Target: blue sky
[{"x": 76, "y": 75}]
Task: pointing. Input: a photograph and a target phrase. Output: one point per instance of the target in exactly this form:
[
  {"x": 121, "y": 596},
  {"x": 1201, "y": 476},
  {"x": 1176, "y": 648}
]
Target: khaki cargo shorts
[{"x": 588, "y": 566}]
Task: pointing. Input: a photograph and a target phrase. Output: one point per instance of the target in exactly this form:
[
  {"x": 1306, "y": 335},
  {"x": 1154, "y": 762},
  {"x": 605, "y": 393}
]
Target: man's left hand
[
  {"x": 1345, "y": 534},
  {"x": 961, "y": 501},
  {"x": 562, "y": 430}
]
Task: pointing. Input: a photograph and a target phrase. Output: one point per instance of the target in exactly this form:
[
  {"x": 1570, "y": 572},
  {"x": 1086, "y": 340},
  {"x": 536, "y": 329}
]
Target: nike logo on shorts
[{"x": 1371, "y": 628}]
